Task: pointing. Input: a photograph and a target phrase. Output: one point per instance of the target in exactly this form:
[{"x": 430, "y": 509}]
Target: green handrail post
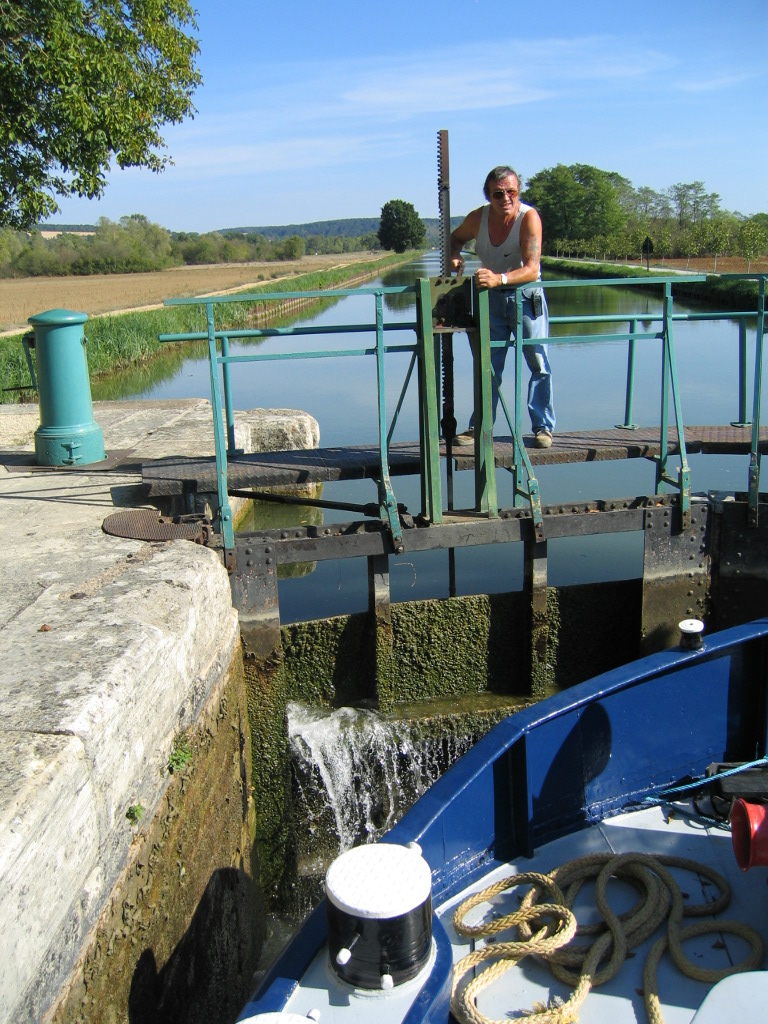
[
  {"x": 670, "y": 382},
  {"x": 534, "y": 498},
  {"x": 225, "y": 524},
  {"x": 661, "y": 464},
  {"x": 629, "y": 399},
  {"x": 742, "y": 420},
  {"x": 754, "y": 455},
  {"x": 428, "y": 345},
  {"x": 387, "y": 500},
  {"x": 485, "y": 460},
  {"x": 232, "y": 448}
]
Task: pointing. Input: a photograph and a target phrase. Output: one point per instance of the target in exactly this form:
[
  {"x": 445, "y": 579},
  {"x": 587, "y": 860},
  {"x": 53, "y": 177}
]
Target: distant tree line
[
  {"x": 135, "y": 244},
  {"x": 585, "y": 212},
  {"x": 601, "y": 215}
]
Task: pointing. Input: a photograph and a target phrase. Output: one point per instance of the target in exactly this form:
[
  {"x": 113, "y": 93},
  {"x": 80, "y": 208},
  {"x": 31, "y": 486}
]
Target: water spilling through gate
[{"x": 356, "y": 772}]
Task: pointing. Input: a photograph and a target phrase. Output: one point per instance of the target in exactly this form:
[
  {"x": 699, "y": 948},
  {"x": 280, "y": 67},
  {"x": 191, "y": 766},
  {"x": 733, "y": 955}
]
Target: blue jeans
[{"x": 502, "y": 323}]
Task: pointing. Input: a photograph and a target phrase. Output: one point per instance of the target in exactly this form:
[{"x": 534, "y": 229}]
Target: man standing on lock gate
[{"x": 508, "y": 234}]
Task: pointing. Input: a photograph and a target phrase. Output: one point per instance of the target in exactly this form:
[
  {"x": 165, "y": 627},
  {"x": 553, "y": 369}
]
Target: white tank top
[{"x": 504, "y": 257}]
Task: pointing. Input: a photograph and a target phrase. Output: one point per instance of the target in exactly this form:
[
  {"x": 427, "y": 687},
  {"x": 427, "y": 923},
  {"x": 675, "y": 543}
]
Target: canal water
[{"x": 589, "y": 388}]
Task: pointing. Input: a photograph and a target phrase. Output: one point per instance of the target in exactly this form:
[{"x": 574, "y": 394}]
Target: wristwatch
[{"x": 503, "y": 278}]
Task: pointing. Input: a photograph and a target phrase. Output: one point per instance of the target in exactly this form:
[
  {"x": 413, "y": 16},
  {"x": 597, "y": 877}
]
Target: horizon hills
[{"x": 346, "y": 227}]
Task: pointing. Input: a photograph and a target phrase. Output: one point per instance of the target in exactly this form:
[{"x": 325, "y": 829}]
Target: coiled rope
[{"x": 545, "y": 931}]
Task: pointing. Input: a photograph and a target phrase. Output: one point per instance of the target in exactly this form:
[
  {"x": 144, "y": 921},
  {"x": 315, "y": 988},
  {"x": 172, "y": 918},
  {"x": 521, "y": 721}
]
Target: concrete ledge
[
  {"x": 109, "y": 647},
  {"x": 92, "y": 705}
]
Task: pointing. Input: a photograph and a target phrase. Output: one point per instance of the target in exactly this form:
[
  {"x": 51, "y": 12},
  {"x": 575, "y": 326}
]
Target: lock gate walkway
[{"x": 171, "y": 477}]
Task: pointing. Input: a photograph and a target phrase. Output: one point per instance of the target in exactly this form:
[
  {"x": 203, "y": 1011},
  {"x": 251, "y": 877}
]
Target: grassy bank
[
  {"x": 126, "y": 343},
  {"x": 715, "y": 291}
]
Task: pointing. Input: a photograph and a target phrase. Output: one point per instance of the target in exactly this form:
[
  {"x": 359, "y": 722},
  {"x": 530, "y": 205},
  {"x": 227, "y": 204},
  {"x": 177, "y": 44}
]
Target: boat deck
[{"x": 654, "y": 831}]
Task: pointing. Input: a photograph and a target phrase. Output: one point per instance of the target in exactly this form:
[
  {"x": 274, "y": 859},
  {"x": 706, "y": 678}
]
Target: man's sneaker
[
  {"x": 543, "y": 439},
  {"x": 465, "y": 439}
]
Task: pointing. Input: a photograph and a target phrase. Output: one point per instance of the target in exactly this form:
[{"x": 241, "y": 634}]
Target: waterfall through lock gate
[{"x": 356, "y": 772}]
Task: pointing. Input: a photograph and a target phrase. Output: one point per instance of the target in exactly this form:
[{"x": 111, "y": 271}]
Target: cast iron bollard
[{"x": 68, "y": 435}]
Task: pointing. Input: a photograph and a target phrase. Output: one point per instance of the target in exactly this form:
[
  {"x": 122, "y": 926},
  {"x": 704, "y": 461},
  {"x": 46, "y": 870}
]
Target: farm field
[
  {"x": 705, "y": 265},
  {"x": 700, "y": 264},
  {"x": 100, "y": 294}
]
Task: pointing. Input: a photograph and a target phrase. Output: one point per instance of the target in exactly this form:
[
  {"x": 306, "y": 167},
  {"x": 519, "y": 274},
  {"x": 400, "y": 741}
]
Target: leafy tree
[
  {"x": 83, "y": 82},
  {"x": 556, "y": 195},
  {"x": 11, "y": 245},
  {"x": 619, "y": 246},
  {"x": 370, "y": 241},
  {"x": 579, "y": 201},
  {"x": 663, "y": 242},
  {"x": 401, "y": 227},
  {"x": 719, "y": 235},
  {"x": 692, "y": 203},
  {"x": 753, "y": 239},
  {"x": 689, "y": 245},
  {"x": 645, "y": 201},
  {"x": 293, "y": 248}
]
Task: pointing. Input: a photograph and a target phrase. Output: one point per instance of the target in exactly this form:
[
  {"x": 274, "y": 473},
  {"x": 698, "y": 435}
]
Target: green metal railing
[
  {"x": 670, "y": 387},
  {"x": 427, "y": 357},
  {"x": 670, "y": 390},
  {"x": 222, "y": 404}
]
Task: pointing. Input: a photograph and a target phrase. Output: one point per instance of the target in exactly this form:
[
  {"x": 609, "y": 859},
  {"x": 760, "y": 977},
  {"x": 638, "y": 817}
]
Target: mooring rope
[{"x": 545, "y": 931}]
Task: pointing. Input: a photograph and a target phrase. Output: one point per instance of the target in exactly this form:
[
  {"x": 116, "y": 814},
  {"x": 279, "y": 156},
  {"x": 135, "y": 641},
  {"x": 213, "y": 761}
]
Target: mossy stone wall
[{"x": 183, "y": 933}]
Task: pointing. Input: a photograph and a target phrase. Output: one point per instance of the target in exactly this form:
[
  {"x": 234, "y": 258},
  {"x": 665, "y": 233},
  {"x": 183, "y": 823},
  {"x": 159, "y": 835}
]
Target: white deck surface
[{"x": 652, "y": 831}]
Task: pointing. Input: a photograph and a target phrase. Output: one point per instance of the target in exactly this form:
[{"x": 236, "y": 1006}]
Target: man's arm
[
  {"x": 464, "y": 233},
  {"x": 530, "y": 249}
]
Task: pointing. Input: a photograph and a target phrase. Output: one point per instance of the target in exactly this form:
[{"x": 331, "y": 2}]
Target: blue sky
[{"x": 328, "y": 109}]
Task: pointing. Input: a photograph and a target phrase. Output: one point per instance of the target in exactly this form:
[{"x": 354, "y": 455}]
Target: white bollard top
[
  {"x": 378, "y": 881},
  {"x": 691, "y": 626}
]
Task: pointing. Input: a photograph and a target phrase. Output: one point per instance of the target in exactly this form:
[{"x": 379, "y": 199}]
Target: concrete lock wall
[
  {"x": 128, "y": 885},
  {"x": 183, "y": 930},
  {"x": 140, "y": 901}
]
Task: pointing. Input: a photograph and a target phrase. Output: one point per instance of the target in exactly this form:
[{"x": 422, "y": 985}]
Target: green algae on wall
[
  {"x": 183, "y": 931},
  {"x": 429, "y": 649},
  {"x": 458, "y": 646},
  {"x": 451, "y": 647},
  {"x": 331, "y": 662},
  {"x": 273, "y": 829}
]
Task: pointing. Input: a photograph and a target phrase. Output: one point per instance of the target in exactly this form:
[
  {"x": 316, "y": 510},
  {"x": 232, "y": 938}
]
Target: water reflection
[{"x": 267, "y": 515}]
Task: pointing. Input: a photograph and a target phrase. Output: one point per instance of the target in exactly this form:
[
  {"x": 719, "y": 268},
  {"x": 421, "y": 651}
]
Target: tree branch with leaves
[{"x": 83, "y": 83}]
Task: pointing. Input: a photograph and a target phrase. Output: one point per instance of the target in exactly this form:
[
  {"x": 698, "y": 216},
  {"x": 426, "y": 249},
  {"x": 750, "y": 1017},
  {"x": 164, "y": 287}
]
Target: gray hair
[{"x": 499, "y": 174}]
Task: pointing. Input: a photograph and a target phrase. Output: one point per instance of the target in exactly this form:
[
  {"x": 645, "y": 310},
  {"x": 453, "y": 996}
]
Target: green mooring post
[{"x": 68, "y": 435}]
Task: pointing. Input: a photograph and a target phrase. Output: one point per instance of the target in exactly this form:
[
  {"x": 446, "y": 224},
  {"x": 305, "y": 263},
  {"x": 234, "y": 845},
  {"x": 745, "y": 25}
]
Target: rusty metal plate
[{"x": 148, "y": 524}]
